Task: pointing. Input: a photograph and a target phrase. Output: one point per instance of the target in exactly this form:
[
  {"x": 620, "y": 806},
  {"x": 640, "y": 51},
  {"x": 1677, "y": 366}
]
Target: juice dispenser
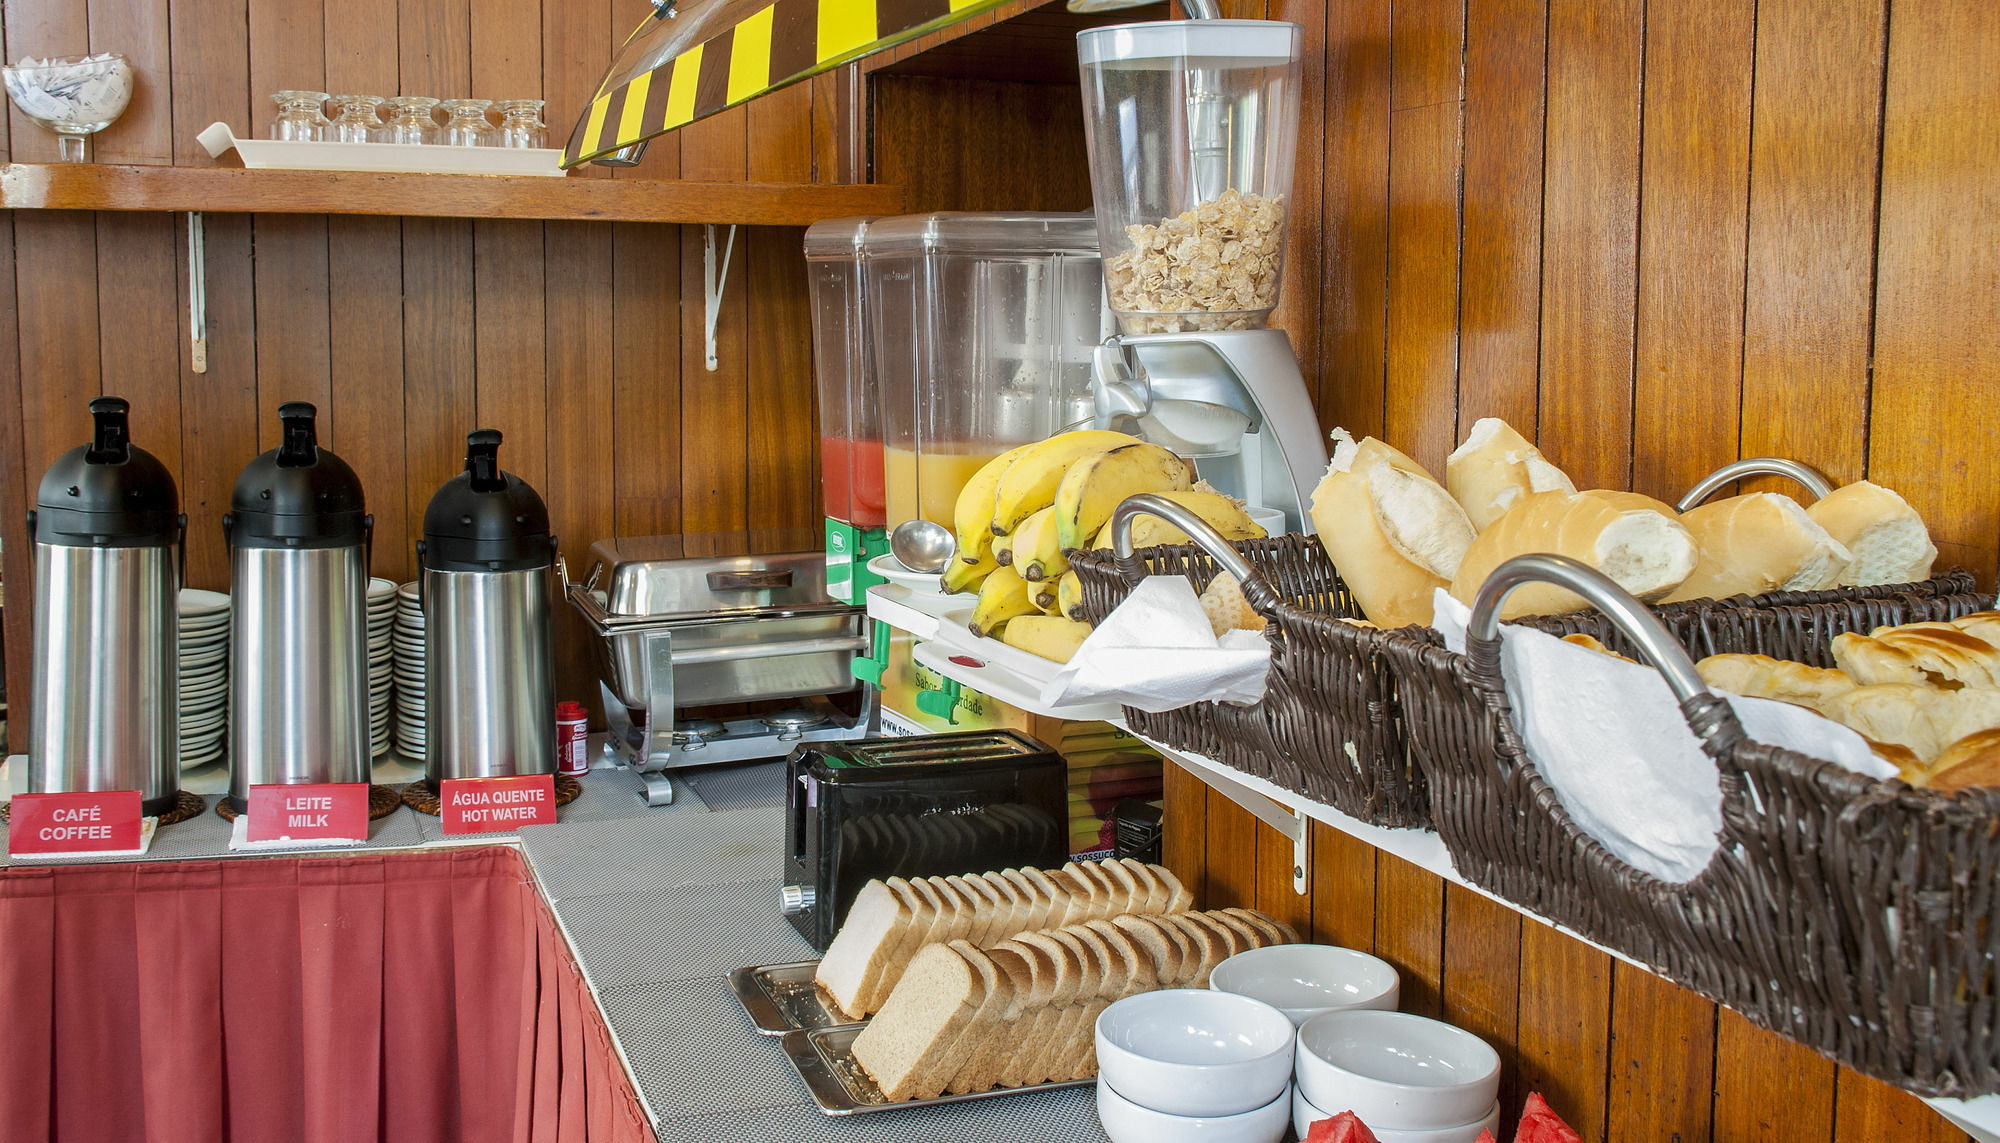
[
  {"x": 1192, "y": 128},
  {"x": 850, "y": 445},
  {"x": 983, "y": 328}
]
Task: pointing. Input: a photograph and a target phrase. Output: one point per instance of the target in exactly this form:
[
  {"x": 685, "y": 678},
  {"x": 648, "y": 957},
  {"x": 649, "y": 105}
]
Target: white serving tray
[{"x": 277, "y": 154}]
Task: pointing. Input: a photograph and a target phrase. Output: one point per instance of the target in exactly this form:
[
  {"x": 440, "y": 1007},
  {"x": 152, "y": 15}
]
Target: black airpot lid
[
  {"x": 298, "y": 495},
  {"x": 484, "y": 519},
  {"x": 109, "y": 493}
]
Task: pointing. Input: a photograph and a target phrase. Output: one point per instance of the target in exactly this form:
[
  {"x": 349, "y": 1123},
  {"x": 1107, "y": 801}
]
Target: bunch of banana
[
  {"x": 1220, "y": 512},
  {"x": 1050, "y": 636},
  {"x": 1003, "y": 597}
]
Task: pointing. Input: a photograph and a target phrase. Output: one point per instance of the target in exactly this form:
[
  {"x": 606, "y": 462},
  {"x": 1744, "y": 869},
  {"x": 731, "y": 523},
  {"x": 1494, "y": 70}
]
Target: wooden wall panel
[
  {"x": 1936, "y": 358},
  {"x": 1689, "y": 341},
  {"x": 138, "y": 28},
  {"x": 41, "y": 28},
  {"x": 1354, "y": 218},
  {"x": 134, "y": 347},
  {"x": 365, "y": 354},
  {"x": 218, "y": 407},
  {"x": 291, "y": 298},
  {"x": 1810, "y": 261},
  {"x": 1590, "y": 214}
]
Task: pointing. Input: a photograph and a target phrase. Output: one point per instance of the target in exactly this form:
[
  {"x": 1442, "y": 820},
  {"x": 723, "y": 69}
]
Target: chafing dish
[{"x": 674, "y": 633}]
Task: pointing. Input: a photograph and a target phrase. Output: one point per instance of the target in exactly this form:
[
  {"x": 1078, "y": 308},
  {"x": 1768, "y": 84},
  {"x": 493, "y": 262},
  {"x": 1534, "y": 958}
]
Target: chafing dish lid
[{"x": 642, "y": 580}]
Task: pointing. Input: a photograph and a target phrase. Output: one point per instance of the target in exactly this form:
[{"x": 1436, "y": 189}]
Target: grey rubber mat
[
  {"x": 639, "y": 938},
  {"x": 1065, "y": 1116},
  {"x": 693, "y": 1052},
  {"x": 739, "y": 787},
  {"x": 658, "y": 851}
]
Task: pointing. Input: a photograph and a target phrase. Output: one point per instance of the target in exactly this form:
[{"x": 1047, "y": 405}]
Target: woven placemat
[
  {"x": 421, "y": 798},
  {"x": 186, "y": 806}
]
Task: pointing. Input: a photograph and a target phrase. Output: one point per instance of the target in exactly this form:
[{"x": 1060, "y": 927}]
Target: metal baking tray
[
  {"x": 825, "y": 1061},
  {"x": 781, "y": 998}
]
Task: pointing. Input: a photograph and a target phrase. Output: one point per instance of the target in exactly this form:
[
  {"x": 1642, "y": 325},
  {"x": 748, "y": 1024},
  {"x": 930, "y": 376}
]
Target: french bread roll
[
  {"x": 1933, "y": 654},
  {"x": 1761, "y": 676},
  {"x": 1393, "y": 532},
  {"x": 1755, "y": 543},
  {"x": 1495, "y": 467},
  {"x": 1621, "y": 534},
  {"x": 1897, "y": 714},
  {"x": 1884, "y": 535},
  {"x": 1971, "y": 761}
]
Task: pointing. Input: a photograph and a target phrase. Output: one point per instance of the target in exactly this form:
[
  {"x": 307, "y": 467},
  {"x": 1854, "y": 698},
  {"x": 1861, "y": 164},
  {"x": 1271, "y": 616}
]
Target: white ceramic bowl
[
  {"x": 1304, "y": 1115},
  {"x": 1184, "y": 1051},
  {"x": 1396, "y": 1070},
  {"x": 1127, "y": 1122},
  {"x": 1303, "y": 981}
]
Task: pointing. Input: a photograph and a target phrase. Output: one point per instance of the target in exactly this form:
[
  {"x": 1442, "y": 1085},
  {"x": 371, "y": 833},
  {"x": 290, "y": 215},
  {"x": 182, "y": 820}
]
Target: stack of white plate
[
  {"x": 204, "y": 675},
  {"x": 381, "y": 619},
  {"x": 408, "y": 644}
]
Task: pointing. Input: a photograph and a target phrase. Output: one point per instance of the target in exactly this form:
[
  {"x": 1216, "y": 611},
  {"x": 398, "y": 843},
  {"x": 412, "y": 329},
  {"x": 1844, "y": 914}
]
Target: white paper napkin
[
  {"x": 1609, "y": 737},
  {"x": 1157, "y": 652}
]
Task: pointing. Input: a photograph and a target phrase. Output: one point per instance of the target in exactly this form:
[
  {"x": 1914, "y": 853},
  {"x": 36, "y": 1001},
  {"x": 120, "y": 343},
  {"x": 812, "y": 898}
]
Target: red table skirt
[{"x": 401, "y": 997}]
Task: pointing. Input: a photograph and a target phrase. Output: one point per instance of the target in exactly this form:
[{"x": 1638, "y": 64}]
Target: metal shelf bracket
[
  {"x": 713, "y": 279},
  {"x": 1292, "y": 824}
]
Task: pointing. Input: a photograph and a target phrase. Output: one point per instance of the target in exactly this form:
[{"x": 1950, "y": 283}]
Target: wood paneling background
[
  {"x": 1655, "y": 235},
  {"x": 580, "y": 341}
]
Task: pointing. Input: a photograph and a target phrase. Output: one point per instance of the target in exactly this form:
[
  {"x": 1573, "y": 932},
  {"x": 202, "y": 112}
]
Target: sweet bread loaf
[{"x": 1393, "y": 532}]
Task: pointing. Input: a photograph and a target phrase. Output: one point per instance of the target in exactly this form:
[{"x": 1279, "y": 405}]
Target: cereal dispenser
[{"x": 1192, "y": 127}]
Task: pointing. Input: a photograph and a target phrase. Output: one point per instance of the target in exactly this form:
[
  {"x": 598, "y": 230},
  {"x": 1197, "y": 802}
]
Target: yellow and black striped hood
[{"x": 775, "y": 45}]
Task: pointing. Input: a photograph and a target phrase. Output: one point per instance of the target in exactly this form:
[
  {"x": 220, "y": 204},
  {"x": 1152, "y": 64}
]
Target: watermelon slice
[
  {"x": 1343, "y": 1128},
  {"x": 1541, "y": 1125}
]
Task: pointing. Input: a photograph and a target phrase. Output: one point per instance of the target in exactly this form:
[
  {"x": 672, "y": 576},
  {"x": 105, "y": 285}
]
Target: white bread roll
[
  {"x": 1760, "y": 676},
  {"x": 1394, "y": 533},
  {"x": 1622, "y": 534},
  {"x": 1758, "y": 542},
  {"x": 1885, "y": 536},
  {"x": 1495, "y": 467}
]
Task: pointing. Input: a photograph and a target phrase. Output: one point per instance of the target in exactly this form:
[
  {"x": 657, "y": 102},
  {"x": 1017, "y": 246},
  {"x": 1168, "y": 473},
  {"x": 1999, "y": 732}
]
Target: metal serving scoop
[{"x": 922, "y": 546}]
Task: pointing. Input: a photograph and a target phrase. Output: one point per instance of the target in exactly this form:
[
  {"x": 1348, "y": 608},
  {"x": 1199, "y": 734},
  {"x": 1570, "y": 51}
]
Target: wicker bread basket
[{"x": 1850, "y": 914}]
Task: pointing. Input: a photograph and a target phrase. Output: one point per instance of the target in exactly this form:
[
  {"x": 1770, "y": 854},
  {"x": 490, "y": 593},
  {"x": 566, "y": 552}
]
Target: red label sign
[
  {"x": 483, "y": 805},
  {"x": 337, "y": 810},
  {"x": 100, "y": 822}
]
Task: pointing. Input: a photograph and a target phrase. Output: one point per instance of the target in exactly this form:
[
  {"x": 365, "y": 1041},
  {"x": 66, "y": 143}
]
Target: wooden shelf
[{"x": 91, "y": 186}]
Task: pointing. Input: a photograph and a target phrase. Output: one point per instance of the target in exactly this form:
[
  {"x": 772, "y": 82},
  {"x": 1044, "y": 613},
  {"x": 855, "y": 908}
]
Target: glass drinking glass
[
  {"x": 521, "y": 124},
  {"x": 299, "y": 118},
  {"x": 410, "y": 120},
  {"x": 73, "y": 97},
  {"x": 465, "y": 123},
  {"x": 354, "y": 119}
]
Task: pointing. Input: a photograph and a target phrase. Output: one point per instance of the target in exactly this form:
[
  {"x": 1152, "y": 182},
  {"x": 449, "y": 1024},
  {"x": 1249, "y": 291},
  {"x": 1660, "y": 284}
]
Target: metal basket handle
[
  {"x": 1707, "y": 715},
  {"x": 1807, "y": 477},
  {"x": 1256, "y": 592}
]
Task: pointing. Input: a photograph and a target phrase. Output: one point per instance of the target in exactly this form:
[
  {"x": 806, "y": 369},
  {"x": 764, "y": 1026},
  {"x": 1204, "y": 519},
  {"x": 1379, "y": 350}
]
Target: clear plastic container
[
  {"x": 850, "y": 427},
  {"x": 982, "y": 331},
  {"x": 1192, "y": 127}
]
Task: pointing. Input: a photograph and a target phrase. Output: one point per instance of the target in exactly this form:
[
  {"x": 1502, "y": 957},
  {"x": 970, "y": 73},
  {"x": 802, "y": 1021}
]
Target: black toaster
[{"x": 915, "y": 807}]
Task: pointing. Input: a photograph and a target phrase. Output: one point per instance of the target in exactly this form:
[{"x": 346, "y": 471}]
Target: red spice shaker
[{"x": 572, "y": 739}]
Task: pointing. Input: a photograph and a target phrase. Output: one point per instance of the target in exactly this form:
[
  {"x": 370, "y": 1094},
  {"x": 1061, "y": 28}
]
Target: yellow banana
[
  {"x": 1029, "y": 485},
  {"x": 1069, "y": 593},
  {"x": 1036, "y": 555},
  {"x": 1050, "y": 636},
  {"x": 1003, "y": 548},
  {"x": 1222, "y": 513},
  {"x": 1095, "y": 485},
  {"x": 972, "y": 514},
  {"x": 962, "y": 576},
  {"x": 1049, "y": 594},
  {"x": 1003, "y": 597}
]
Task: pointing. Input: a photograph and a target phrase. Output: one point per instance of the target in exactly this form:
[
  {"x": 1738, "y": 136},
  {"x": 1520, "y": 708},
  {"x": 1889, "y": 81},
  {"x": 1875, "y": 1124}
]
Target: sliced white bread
[
  {"x": 986, "y": 912},
  {"x": 1495, "y": 467},
  {"x": 1057, "y": 895},
  {"x": 1051, "y": 1027},
  {"x": 958, "y": 1065},
  {"x": 1029, "y": 900},
  {"x": 1156, "y": 890},
  {"x": 1248, "y": 936},
  {"x": 1758, "y": 542},
  {"x": 1884, "y": 535},
  {"x": 1129, "y": 891},
  {"x": 1179, "y": 900},
  {"x": 1140, "y": 976},
  {"x": 1034, "y": 1005},
  {"x": 1266, "y": 928},
  {"x": 933, "y": 1002},
  {"x": 1166, "y": 951},
  {"x": 878, "y": 916}
]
